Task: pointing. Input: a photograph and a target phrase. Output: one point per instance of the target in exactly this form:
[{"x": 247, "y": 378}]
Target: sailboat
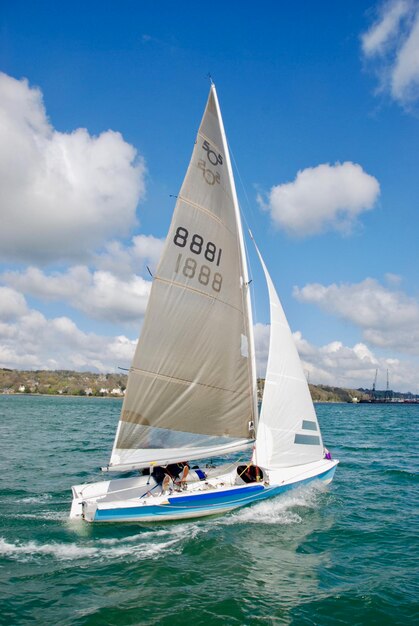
[{"x": 192, "y": 390}]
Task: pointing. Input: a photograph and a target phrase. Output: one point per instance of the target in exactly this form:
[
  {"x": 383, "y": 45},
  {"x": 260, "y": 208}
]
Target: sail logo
[
  {"x": 209, "y": 176},
  {"x": 212, "y": 156},
  {"x": 215, "y": 159}
]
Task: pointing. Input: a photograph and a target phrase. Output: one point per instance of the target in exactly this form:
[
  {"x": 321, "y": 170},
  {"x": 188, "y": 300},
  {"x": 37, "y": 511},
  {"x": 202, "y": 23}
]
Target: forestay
[
  {"x": 191, "y": 387},
  {"x": 288, "y": 432}
]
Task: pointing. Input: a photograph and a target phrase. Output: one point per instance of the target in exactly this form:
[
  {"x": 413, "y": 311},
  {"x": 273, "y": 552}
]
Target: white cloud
[
  {"x": 12, "y": 304},
  {"x": 261, "y": 336},
  {"x": 388, "y": 317},
  {"x": 122, "y": 260},
  {"x": 405, "y": 73},
  {"x": 383, "y": 31},
  {"x": 337, "y": 365},
  {"x": 393, "y": 279},
  {"x": 33, "y": 341},
  {"x": 326, "y": 197},
  {"x": 62, "y": 194},
  {"x": 99, "y": 294},
  {"x": 28, "y": 340},
  {"x": 392, "y": 46}
]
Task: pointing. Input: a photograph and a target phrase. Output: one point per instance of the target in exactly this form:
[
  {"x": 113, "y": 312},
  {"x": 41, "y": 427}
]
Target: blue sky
[{"x": 99, "y": 106}]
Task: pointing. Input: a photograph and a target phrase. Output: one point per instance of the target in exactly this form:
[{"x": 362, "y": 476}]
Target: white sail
[
  {"x": 288, "y": 432},
  {"x": 190, "y": 391}
]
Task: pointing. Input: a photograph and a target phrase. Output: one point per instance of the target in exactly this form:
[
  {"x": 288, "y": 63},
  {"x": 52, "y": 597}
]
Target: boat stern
[{"x": 76, "y": 510}]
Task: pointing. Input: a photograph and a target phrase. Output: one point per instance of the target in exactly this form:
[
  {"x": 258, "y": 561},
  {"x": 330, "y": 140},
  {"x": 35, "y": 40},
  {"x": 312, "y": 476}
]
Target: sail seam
[
  {"x": 183, "y": 380},
  {"x": 301, "y": 380},
  {"x": 211, "y": 141},
  {"x": 207, "y": 212},
  {"x": 202, "y": 293}
]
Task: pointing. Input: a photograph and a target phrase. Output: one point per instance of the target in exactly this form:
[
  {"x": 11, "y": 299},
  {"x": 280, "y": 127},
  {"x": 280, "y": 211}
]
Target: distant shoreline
[
  {"x": 120, "y": 398},
  {"x": 72, "y": 384},
  {"x": 58, "y": 395}
]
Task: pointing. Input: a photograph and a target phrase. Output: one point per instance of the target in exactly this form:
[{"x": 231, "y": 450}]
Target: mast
[{"x": 246, "y": 289}]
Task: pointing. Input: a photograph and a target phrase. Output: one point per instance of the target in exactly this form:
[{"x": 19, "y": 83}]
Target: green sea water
[{"x": 343, "y": 554}]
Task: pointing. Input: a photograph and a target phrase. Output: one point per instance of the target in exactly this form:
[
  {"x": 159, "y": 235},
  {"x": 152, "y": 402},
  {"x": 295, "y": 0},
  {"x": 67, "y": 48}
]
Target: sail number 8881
[
  {"x": 189, "y": 266},
  {"x": 196, "y": 245}
]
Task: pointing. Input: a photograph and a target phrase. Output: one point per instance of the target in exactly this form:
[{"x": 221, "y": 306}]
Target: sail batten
[
  {"x": 182, "y": 381},
  {"x": 202, "y": 293},
  {"x": 204, "y": 210}
]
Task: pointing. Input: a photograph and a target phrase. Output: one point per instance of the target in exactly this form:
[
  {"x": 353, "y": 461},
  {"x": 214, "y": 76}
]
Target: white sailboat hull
[{"x": 141, "y": 499}]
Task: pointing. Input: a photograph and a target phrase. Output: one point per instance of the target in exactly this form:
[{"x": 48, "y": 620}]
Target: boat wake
[
  {"x": 172, "y": 538},
  {"x": 284, "y": 510},
  {"x": 137, "y": 548},
  {"x": 39, "y": 499}
]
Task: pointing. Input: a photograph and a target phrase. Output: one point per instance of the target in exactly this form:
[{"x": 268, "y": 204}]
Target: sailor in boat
[
  {"x": 175, "y": 476},
  {"x": 250, "y": 473}
]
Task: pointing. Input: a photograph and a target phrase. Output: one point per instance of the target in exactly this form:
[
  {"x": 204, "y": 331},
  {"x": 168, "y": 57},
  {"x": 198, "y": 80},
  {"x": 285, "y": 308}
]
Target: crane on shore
[{"x": 374, "y": 384}]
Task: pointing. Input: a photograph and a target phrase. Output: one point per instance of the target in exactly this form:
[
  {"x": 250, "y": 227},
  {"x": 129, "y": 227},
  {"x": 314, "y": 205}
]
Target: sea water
[{"x": 342, "y": 554}]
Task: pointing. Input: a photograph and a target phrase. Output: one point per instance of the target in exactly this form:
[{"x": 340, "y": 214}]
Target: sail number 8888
[{"x": 189, "y": 266}]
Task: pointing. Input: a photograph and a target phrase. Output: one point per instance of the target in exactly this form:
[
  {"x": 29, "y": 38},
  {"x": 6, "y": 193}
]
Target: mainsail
[
  {"x": 288, "y": 432},
  {"x": 191, "y": 386}
]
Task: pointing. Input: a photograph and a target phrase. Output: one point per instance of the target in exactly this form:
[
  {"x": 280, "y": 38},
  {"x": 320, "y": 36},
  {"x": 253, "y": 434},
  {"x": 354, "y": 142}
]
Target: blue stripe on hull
[
  {"x": 215, "y": 497},
  {"x": 203, "y": 503}
]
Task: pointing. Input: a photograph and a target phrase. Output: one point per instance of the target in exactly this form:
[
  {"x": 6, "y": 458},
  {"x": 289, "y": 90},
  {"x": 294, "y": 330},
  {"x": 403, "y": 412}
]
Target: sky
[{"x": 100, "y": 103}]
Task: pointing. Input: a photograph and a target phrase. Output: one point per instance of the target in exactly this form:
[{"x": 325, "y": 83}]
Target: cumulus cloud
[
  {"x": 391, "y": 45},
  {"x": 353, "y": 367},
  {"x": 62, "y": 194},
  {"x": 326, "y": 197},
  {"x": 383, "y": 31},
  {"x": 31, "y": 341},
  {"x": 338, "y": 365},
  {"x": 12, "y": 304},
  {"x": 122, "y": 260},
  {"x": 387, "y": 317},
  {"x": 99, "y": 294},
  {"x": 261, "y": 334}
]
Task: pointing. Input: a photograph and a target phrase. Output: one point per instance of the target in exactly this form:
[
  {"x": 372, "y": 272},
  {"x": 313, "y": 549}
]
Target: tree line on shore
[
  {"x": 62, "y": 382},
  {"x": 68, "y": 382}
]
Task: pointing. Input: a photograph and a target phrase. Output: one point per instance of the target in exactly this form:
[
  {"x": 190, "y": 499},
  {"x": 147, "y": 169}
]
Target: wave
[
  {"x": 39, "y": 499},
  {"x": 58, "y": 516},
  {"x": 286, "y": 509},
  {"x": 362, "y": 448},
  {"x": 99, "y": 550},
  {"x": 280, "y": 510},
  {"x": 401, "y": 473}
]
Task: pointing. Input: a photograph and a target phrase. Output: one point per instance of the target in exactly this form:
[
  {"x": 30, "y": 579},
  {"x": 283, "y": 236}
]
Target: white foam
[
  {"x": 133, "y": 538},
  {"x": 43, "y": 497},
  {"x": 151, "y": 543},
  {"x": 45, "y": 515},
  {"x": 29, "y": 550},
  {"x": 280, "y": 509}
]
